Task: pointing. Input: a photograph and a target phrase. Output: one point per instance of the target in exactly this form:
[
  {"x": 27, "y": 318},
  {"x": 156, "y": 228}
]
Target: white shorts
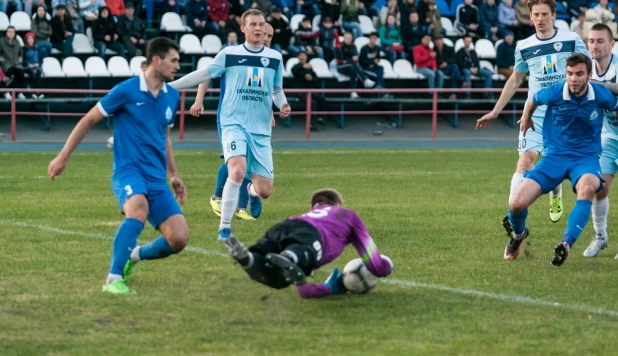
[
  {"x": 237, "y": 141},
  {"x": 609, "y": 157},
  {"x": 533, "y": 141}
]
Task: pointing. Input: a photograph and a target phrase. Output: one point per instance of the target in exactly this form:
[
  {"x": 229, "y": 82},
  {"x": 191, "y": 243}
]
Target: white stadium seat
[
  {"x": 190, "y": 44},
  {"x": 136, "y": 64},
  {"x": 447, "y": 25},
  {"x": 389, "y": 73},
  {"x": 448, "y": 42},
  {"x": 4, "y": 21},
  {"x": 290, "y": 63},
  {"x": 320, "y": 67},
  {"x": 211, "y": 44},
  {"x": 52, "y": 68},
  {"x": 360, "y": 42},
  {"x": 366, "y": 24},
  {"x": 82, "y": 45},
  {"x": 498, "y": 42},
  {"x": 21, "y": 21},
  {"x": 404, "y": 69},
  {"x": 119, "y": 67},
  {"x": 485, "y": 49},
  {"x": 171, "y": 22},
  {"x": 295, "y": 21},
  {"x": 20, "y": 40},
  {"x": 562, "y": 25},
  {"x": 315, "y": 23},
  {"x": 73, "y": 67},
  {"x": 96, "y": 67},
  {"x": 203, "y": 62}
]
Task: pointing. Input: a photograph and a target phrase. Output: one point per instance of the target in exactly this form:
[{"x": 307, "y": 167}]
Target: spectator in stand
[
  {"x": 347, "y": 64},
  {"x": 468, "y": 62},
  {"x": 32, "y": 63},
  {"x": 237, "y": 7},
  {"x": 489, "y": 21},
  {"x": 328, "y": 39},
  {"x": 286, "y": 7},
  {"x": 132, "y": 32},
  {"x": 426, "y": 64},
  {"x": 11, "y": 59},
  {"x": 391, "y": 8},
  {"x": 305, "y": 39},
  {"x": 233, "y": 25},
  {"x": 526, "y": 27},
  {"x": 305, "y": 78},
  {"x": 406, "y": 7},
  {"x": 105, "y": 34},
  {"x": 42, "y": 30},
  {"x": 266, "y": 6},
  {"x": 218, "y": 14},
  {"x": 390, "y": 39},
  {"x": 332, "y": 9},
  {"x": 505, "y": 55},
  {"x": 370, "y": 9},
  {"x": 577, "y": 7},
  {"x": 601, "y": 12},
  {"x": 447, "y": 62},
  {"x": 414, "y": 32},
  {"x": 62, "y": 31},
  {"x": 350, "y": 9},
  {"x": 369, "y": 59},
  {"x": 282, "y": 33},
  {"x": 508, "y": 18},
  {"x": 10, "y": 6},
  {"x": 307, "y": 7},
  {"x": 196, "y": 12},
  {"x": 89, "y": 10},
  {"x": 164, "y": 5},
  {"x": 72, "y": 9},
  {"x": 28, "y": 5},
  {"x": 232, "y": 40},
  {"x": 467, "y": 20},
  {"x": 434, "y": 19},
  {"x": 116, "y": 8}
]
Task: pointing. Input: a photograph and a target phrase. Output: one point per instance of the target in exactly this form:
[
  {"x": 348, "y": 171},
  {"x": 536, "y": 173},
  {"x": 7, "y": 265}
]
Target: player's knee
[
  {"x": 264, "y": 191},
  {"x": 586, "y": 191},
  {"x": 136, "y": 209},
  {"x": 517, "y": 205},
  {"x": 237, "y": 175},
  {"x": 179, "y": 240}
]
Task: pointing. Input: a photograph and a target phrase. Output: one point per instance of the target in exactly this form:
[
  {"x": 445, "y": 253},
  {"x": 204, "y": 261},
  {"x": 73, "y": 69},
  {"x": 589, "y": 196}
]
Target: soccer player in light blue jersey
[
  {"x": 604, "y": 70},
  {"x": 222, "y": 173},
  {"x": 572, "y": 139},
  {"x": 542, "y": 56},
  {"x": 144, "y": 108},
  {"x": 253, "y": 80}
]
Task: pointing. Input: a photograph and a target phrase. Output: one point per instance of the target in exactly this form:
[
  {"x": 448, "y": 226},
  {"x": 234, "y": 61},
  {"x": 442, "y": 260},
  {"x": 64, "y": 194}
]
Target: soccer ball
[
  {"x": 357, "y": 278},
  {"x": 110, "y": 142}
]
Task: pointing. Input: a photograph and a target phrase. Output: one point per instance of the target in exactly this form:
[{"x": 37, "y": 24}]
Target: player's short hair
[
  {"x": 250, "y": 12},
  {"x": 578, "y": 58},
  {"x": 160, "y": 47},
  {"x": 550, "y": 3},
  {"x": 602, "y": 27},
  {"x": 326, "y": 196}
]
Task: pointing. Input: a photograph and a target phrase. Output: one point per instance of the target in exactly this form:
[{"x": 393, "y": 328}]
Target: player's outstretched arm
[
  {"x": 511, "y": 86},
  {"x": 379, "y": 265},
  {"x": 613, "y": 87},
  {"x": 177, "y": 184},
  {"x": 56, "y": 166},
  {"x": 192, "y": 79},
  {"x": 198, "y": 106}
]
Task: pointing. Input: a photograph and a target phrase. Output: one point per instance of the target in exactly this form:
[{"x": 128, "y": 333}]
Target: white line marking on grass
[{"x": 412, "y": 284}]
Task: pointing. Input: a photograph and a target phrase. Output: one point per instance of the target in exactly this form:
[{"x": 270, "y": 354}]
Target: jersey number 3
[{"x": 318, "y": 213}]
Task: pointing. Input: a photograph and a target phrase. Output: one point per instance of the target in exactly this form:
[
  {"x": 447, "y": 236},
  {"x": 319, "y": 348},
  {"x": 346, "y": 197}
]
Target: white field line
[{"x": 412, "y": 284}]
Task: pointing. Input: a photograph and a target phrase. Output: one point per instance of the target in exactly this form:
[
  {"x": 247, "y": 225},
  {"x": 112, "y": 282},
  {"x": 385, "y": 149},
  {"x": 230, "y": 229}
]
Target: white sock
[
  {"x": 600, "y": 209},
  {"x": 252, "y": 191},
  {"x": 556, "y": 192},
  {"x": 515, "y": 183},
  {"x": 135, "y": 254},
  {"x": 250, "y": 264},
  {"x": 229, "y": 202},
  {"x": 112, "y": 277}
]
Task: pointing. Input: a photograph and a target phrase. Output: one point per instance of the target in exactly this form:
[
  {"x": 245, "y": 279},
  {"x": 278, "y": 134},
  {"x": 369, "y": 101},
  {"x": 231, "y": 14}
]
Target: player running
[
  {"x": 291, "y": 250},
  {"x": 244, "y": 198},
  {"x": 604, "y": 69},
  {"x": 543, "y": 56},
  {"x": 572, "y": 141},
  {"x": 144, "y": 108},
  {"x": 254, "y": 79}
]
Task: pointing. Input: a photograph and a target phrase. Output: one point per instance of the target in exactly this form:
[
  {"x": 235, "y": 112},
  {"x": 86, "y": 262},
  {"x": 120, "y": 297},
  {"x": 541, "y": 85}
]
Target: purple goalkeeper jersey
[{"x": 339, "y": 227}]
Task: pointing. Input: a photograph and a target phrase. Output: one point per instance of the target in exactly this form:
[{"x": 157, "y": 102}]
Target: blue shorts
[
  {"x": 161, "y": 202},
  {"x": 533, "y": 141},
  {"x": 237, "y": 141},
  {"x": 553, "y": 169},
  {"x": 609, "y": 157}
]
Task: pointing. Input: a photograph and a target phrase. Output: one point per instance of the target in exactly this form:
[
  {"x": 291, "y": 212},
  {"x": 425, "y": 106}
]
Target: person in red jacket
[
  {"x": 425, "y": 62},
  {"x": 116, "y": 7},
  {"x": 219, "y": 13}
]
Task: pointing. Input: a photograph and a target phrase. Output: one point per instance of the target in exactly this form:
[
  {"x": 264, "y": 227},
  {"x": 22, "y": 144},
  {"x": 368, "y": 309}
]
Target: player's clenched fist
[
  {"x": 197, "y": 108},
  {"x": 285, "y": 111},
  {"x": 179, "y": 190},
  {"x": 56, "y": 167}
]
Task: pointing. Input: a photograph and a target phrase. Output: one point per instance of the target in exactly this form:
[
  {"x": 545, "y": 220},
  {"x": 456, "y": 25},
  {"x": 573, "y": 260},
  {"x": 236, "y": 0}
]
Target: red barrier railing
[{"x": 434, "y": 112}]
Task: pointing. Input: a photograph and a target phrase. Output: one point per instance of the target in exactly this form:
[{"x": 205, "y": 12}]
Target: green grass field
[{"x": 434, "y": 212}]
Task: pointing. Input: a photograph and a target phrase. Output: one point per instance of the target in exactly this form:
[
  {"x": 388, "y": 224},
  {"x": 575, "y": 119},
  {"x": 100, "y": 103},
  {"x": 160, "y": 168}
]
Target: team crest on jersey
[
  {"x": 593, "y": 116},
  {"x": 265, "y": 61},
  {"x": 558, "y": 46},
  {"x": 256, "y": 77},
  {"x": 168, "y": 114},
  {"x": 549, "y": 64}
]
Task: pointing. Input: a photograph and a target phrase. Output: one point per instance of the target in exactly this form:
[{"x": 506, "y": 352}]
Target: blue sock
[
  {"x": 518, "y": 221},
  {"x": 124, "y": 242},
  {"x": 159, "y": 248},
  {"x": 243, "y": 197},
  {"x": 221, "y": 178},
  {"x": 577, "y": 221}
]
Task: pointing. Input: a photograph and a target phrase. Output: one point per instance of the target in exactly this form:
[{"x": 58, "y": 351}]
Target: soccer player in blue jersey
[
  {"x": 543, "y": 57},
  {"x": 144, "y": 108},
  {"x": 244, "y": 198},
  {"x": 604, "y": 70},
  {"x": 254, "y": 79},
  {"x": 572, "y": 139}
]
